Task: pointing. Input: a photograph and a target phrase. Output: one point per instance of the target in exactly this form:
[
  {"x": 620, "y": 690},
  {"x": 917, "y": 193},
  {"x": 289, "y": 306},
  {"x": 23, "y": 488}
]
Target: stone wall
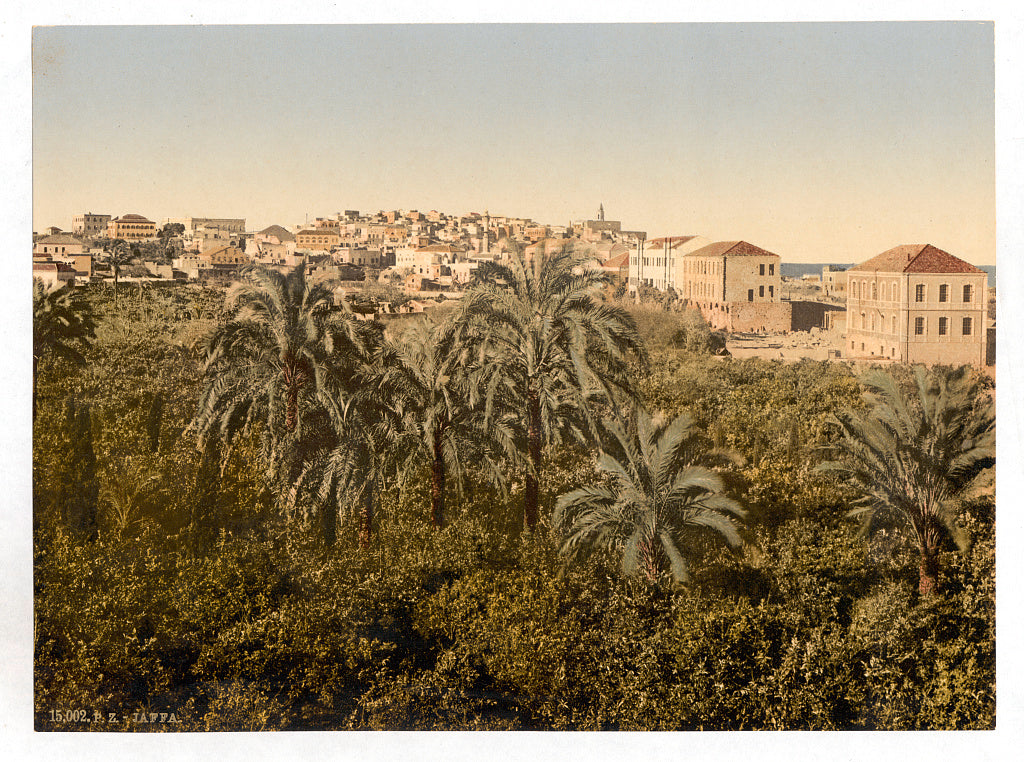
[
  {"x": 748, "y": 317},
  {"x": 760, "y": 317}
]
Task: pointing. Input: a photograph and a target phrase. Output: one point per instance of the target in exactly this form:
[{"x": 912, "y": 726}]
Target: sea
[{"x": 799, "y": 269}]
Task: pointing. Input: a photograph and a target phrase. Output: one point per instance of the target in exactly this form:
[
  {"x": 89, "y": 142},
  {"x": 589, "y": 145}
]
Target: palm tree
[
  {"x": 424, "y": 375},
  {"x": 286, "y": 349},
  {"x": 348, "y": 475},
  {"x": 547, "y": 342},
  {"x": 62, "y": 326},
  {"x": 657, "y": 503},
  {"x": 913, "y": 459},
  {"x": 119, "y": 253}
]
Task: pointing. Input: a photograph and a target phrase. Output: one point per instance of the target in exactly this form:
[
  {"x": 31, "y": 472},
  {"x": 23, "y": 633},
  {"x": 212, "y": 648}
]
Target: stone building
[
  {"x": 833, "y": 280},
  {"x": 917, "y": 304},
  {"x": 60, "y": 245},
  {"x": 659, "y": 262},
  {"x": 90, "y": 225},
  {"x": 202, "y": 233},
  {"x": 53, "y": 274},
  {"x": 317, "y": 239},
  {"x": 735, "y": 285},
  {"x": 131, "y": 227}
]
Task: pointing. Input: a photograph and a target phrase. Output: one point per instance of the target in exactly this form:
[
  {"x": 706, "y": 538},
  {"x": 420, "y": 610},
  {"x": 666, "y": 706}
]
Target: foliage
[
  {"x": 193, "y": 595},
  {"x": 62, "y": 327},
  {"x": 914, "y": 458},
  {"x": 659, "y": 504}
]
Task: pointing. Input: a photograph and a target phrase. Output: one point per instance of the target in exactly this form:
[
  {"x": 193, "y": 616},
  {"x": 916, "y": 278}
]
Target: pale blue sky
[{"x": 820, "y": 142}]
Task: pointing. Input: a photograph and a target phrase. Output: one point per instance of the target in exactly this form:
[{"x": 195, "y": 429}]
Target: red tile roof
[
  {"x": 617, "y": 262},
  {"x": 731, "y": 249},
  {"x": 916, "y": 258}
]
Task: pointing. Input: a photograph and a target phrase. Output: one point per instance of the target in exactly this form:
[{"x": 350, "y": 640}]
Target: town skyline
[{"x": 818, "y": 141}]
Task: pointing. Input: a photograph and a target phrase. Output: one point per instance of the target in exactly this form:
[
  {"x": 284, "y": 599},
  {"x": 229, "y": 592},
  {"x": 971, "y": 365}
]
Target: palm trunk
[
  {"x": 649, "y": 560},
  {"x": 531, "y": 514},
  {"x": 294, "y": 377},
  {"x": 292, "y": 414},
  {"x": 366, "y": 517},
  {"x": 437, "y": 483},
  {"x": 928, "y": 568}
]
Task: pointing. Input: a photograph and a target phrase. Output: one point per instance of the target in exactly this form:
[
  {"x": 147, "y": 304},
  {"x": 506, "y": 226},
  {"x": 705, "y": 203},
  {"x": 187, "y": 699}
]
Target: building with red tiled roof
[
  {"x": 917, "y": 304},
  {"x": 736, "y": 286},
  {"x": 53, "y": 274}
]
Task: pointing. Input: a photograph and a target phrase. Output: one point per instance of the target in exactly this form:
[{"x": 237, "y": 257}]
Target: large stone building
[
  {"x": 736, "y": 286},
  {"x": 89, "y": 224},
  {"x": 131, "y": 227},
  {"x": 317, "y": 239},
  {"x": 917, "y": 304}
]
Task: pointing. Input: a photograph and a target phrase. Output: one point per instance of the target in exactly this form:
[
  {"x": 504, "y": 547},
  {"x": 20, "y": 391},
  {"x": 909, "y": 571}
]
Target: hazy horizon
[{"x": 821, "y": 142}]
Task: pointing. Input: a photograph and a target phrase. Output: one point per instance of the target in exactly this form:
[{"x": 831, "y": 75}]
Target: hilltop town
[{"x": 911, "y": 303}]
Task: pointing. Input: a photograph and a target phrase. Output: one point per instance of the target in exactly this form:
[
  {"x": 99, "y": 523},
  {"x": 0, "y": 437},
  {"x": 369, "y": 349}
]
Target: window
[
  {"x": 967, "y": 293},
  {"x": 944, "y": 293},
  {"x": 771, "y": 269},
  {"x": 863, "y": 320},
  {"x": 750, "y": 295},
  {"x": 943, "y": 324},
  {"x": 873, "y": 292},
  {"x": 919, "y": 326},
  {"x": 760, "y": 290},
  {"x": 771, "y": 291},
  {"x": 853, "y": 288},
  {"x": 967, "y": 326},
  {"x": 919, "y": 292},
  {"x": 894, "y": 324},
  {"x": 762, "y": 270}
]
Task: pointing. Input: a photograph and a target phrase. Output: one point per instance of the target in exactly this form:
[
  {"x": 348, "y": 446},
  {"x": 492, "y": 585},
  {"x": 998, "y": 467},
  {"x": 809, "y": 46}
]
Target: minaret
[
  {"x": 600, "y": 213},
  {"x": 487, "y": 232}
]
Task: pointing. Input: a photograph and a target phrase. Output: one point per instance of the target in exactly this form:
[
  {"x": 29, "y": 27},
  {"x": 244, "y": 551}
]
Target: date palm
[
  {"x": 657, "y": 504},
  {"x": 284, "y": 349},
  {"x": 62, "y": 326},
  {"x": 424, "y": 377},
  {"x": 119, "y": 254},
  {"x": 913, "y": 458},
  {"x": 345, "y": 479},
  {"x": 547, "y": 342}
]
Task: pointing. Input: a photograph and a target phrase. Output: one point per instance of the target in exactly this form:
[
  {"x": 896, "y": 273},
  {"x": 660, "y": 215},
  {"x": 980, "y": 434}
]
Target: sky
[{"x": 821, "y": 142}]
